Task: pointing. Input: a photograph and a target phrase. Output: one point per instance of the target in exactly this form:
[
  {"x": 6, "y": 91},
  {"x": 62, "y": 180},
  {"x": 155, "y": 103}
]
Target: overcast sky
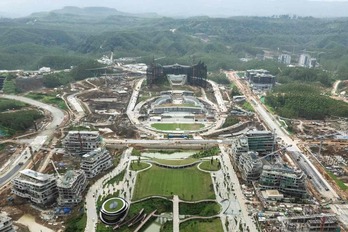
[{"x": 188, "y": 7}]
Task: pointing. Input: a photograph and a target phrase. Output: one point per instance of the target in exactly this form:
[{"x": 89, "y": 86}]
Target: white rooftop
[{"x": 35, "y": 175}]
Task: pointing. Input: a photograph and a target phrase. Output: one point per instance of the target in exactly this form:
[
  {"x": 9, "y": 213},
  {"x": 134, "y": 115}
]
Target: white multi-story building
[
  {"x": 81, "y": 142},
  {"x": 5, "y": 223},
  {"x": 304, "y": 60},
  {"x": 70, "y": 187},
  {"x": 39, "y": 188},
  {"x": 284, "y": 59},
  {"x": 95, "y": 162}
]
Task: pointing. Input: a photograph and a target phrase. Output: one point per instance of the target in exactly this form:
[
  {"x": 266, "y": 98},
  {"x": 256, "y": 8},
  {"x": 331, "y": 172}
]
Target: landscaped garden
[
  {"x": 187, "y": 183},
  {"x": 210, "y": 225},
  {"x": 210, "y": 165}
]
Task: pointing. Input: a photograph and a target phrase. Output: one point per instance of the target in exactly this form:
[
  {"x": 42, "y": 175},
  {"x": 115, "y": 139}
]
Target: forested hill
[{"x": 76, "y": 34}]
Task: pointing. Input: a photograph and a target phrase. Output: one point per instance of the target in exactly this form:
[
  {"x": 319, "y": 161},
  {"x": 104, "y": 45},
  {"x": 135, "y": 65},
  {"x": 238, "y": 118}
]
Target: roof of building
[
  {"x": 84, "y": 132},
  {"x": 4, "y": 217},
  {"x": 271, "y": 193},
  {"x": 93, "y": 154},
  {"x": 69, "y": 178},
  {"x": 36, "y": 175}
]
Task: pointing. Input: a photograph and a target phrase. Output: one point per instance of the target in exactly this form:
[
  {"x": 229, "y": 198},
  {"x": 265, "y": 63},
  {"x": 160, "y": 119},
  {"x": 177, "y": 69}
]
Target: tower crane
[{"x": 273, "y": 153}]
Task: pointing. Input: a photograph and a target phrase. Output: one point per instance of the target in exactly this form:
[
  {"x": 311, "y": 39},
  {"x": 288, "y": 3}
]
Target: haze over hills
[{"x": 184, "y": 8}]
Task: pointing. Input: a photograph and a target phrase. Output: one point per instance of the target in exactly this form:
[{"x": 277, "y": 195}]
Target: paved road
[
  {"x": 218, "y": 96},
  {"x": 272, "y": 124},
  {"x": 176, "y": 219},
  {"x": 57, "y": 119},
  {"x": 166, "y": 141},
  {"x": 237, "y": 190}
]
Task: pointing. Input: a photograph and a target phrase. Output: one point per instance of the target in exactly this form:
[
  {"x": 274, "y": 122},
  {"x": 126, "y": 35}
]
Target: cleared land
[
  {"x": 175, "y": 126},
  {"x": 213, "y": 225},
  {"x": 187, "y": 183}
]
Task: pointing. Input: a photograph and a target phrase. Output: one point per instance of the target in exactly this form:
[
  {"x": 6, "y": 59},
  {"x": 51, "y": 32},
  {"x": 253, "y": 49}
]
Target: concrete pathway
[
  {"x": 97, "y": 190},
  {"x": 176, "y": 219}
]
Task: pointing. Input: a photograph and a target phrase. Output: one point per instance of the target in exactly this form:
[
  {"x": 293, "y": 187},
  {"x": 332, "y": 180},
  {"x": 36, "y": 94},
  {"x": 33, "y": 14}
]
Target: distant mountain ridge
[{"x": 94, "y": 12}]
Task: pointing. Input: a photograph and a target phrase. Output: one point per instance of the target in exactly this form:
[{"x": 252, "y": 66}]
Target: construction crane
[
  {"x": 321, "y": 141},
  {"x": 273, "y": 153},
  {"x": 55, "y": 168}
]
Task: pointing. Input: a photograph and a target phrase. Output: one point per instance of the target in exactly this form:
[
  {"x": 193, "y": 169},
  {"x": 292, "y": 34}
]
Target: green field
[
  {"x": 175, "y": 126},
  {"x": 208, "y": 166},
  {"x": 187, "y": 183},
  {"x": 204, "y": 209},
  {"x": 48, "y": 98},
  {"x": 211, "y": 225}
]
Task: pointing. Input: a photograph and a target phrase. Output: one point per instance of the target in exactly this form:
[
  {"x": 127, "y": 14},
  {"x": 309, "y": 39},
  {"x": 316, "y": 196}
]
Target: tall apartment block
[
  {"x": 284, "y": 59},
  {"x": 70, "y": 187},
  {"x": 238, "y": 147},
  {"x": 81, "y": 142},
  {"x": 39, "y": 188},
  {"x": 260, "y": 79},
  {"x": 250, "y": 166},
  {"x": 96, "y": 161},
  {"x": 5, "y": 223},
  {"x": 284, "y": 179},
  {"x": 262, "y": 142}
]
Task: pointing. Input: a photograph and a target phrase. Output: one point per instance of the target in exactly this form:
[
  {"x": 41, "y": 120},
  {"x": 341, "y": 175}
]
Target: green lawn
[
  {"x": 187, "y": 183},
  {"x": 204, "y": 209},
  {"x": 48, "y": 98},
  {"x": 339, "y": 182},
  {"x": 247, "y": 106},
  {"x": 176, "y": 162},
  {"x": 118, "y": 205},
  {"x": 116, "y": 178},
  {"x": 211, "y": 225},
  {"x": 135, "y": 166},
  {"x": 208, "y": 166},
  {"x": 174, "y": 126}
]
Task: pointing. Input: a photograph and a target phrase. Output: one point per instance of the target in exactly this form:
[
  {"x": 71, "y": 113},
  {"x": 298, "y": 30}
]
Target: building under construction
[
  {"x": 81, "y": 142},
  {"x": 39, "y": 188},
  {"x": 195, "y": 74},
  {"x": 250, "y": 166},
  {"x": 312, "y": 223},
  {"x": 289, "y": 181},
  {"x": 95, "y": 162},
  {"x": 70, "y": 187},
  {"x": 5, "y": 223}
]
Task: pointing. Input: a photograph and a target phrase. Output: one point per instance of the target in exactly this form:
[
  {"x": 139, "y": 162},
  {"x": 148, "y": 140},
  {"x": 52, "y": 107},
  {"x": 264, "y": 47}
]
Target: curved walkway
[
  {"x": 174, "y": 166},
  {"x": 199, "y": 217},
  {"x": 97, "y": 189}
]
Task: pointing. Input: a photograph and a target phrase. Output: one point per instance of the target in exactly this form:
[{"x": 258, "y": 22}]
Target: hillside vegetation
[
  {"x": 304, "y": 101},
  {"x": 70, "y": 36}
]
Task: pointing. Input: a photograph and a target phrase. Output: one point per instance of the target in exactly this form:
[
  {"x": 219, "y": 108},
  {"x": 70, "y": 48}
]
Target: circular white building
[{"x": 113, "y": 210}]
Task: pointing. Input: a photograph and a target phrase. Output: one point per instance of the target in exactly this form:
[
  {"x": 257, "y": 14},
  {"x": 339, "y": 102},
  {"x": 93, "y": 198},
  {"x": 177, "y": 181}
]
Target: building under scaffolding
[
  {"x": 39, "y": 188},
  {"x": 70, "y": 187},
  {"x": 81, "y": 142},
  {"x": 286, "y": 180},
  {"x": 311, "y": 223},
  {"x": 250, "y": 166},
  {"x": 195, "y": 74}
]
